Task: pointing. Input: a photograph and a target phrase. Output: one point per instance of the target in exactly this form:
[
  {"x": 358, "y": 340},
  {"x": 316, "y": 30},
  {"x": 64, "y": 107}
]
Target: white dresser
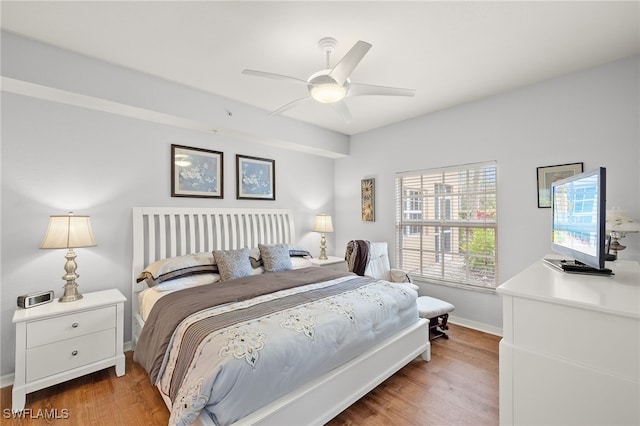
[
  {"x": 570, "y": 354},
  {"x": 57, "y": 341}
]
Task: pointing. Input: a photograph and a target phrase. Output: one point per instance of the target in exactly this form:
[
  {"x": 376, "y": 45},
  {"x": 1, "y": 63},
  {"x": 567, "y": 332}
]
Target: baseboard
[
  {"x": 475, "y": 325},
  {"x": 7, "y": 380}
]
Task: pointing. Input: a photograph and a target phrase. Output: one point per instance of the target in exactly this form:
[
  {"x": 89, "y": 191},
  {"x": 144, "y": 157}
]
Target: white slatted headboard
[{"x": 162, "y": 232}]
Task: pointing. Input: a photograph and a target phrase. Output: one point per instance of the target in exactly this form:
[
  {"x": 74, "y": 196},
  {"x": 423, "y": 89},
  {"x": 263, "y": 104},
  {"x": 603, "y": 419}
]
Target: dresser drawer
[
  {"x": 70, "y": 326},
  {"x": 46, "y": 360}
]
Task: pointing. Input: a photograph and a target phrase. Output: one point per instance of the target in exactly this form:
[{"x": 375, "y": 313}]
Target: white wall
[
  {"x": 590, "y": 117},
  {"x": 58, "y": 157}
]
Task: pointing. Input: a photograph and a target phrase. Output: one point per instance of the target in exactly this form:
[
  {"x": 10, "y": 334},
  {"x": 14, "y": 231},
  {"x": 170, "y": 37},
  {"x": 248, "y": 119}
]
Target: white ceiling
[{"x": 450, "y": 52}]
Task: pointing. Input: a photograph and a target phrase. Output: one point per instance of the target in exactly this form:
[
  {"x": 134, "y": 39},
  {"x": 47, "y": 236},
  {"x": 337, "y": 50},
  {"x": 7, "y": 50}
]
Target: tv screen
[{"x": 578, "y": 210}]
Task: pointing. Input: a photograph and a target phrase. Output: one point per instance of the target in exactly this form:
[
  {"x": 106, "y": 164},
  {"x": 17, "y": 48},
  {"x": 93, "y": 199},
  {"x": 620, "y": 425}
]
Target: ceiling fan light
[{"x": 328, "y": 93}]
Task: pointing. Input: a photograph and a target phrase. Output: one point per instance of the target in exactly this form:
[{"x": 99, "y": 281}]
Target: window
[
  {"x": 447, "y": 225},
  {"x": 413, "y": 210}
]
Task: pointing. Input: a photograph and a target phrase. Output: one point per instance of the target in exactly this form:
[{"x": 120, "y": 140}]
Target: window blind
[{"x": 446, "y": 224}]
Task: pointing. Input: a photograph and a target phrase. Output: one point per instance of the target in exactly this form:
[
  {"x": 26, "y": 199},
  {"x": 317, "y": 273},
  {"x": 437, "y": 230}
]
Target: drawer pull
[
  {"x": 74, "y": 325},
  {"x": 74, "y": 353}
]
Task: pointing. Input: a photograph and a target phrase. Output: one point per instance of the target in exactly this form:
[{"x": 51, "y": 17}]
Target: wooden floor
[{"x": 458, "y": 387}]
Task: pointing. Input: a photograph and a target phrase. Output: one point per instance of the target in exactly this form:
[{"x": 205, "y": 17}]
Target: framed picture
[
  {"x": 196, "y": 172},
  {"x": 255, "y": 178},
  {"x": 367, "y": 199},
  {"x": 549, "y": 174}
]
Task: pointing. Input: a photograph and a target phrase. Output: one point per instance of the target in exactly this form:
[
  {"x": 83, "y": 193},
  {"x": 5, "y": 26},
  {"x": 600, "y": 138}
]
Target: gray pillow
[
  {"x": 275, "y": 257},
  {"x": 233, "y": 263}
]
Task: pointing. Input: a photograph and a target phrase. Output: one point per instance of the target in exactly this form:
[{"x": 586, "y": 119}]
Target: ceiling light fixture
[
  {"x": 327, "y": 93},
  {"x": 331, "y": 85},
  {"x": 325, "y": 89}
]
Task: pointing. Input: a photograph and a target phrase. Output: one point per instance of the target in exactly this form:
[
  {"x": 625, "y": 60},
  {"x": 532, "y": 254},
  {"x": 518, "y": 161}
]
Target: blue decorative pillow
[
  {"x": 275, "y": 257},
  {"x": 233, "y": 263}
]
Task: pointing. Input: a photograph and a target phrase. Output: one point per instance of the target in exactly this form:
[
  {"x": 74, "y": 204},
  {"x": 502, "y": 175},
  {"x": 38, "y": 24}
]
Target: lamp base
[
  {"x": 70, "y": 295},
  {"x": 615, "y": 245},
  {"x": 71, "y": 292},
  {"x": 323, "y": 247}
]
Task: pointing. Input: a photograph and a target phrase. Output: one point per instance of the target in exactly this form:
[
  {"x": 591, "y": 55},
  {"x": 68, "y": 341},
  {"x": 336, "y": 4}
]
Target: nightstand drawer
[
  {"x": 69, "y": 326},
  {"x": 46, "y": 360}
]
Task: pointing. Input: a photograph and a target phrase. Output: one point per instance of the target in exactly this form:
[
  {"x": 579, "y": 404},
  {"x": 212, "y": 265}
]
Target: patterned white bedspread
[{"x": 239, "y": 368}]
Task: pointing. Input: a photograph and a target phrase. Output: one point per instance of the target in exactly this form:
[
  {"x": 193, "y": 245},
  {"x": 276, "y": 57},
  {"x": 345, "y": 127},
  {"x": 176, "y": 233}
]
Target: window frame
[{"x": 461, "y": 264}]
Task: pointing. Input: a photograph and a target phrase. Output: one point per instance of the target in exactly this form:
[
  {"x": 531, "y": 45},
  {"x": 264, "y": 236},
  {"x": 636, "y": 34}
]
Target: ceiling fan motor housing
[{"x": 325, "y": 89}]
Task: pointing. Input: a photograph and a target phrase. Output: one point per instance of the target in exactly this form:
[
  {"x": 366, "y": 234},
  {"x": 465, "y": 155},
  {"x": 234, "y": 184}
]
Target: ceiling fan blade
[
  {"x": 290, "y": 105},
  {"x": 273, "y": 76},
  {"x": 356, "y": 89},
  {"x": 343, "y": 110},
  {"x": 347, "y": 64}
]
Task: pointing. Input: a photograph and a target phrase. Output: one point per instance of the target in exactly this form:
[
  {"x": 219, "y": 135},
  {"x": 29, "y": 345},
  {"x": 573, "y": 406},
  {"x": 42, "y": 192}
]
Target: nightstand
[
  {"x": 333, "y": 262},
  {"x": 58, "y": 341}
]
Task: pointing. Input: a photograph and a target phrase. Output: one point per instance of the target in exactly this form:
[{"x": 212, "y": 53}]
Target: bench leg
[{"x": 437, "y": 326}]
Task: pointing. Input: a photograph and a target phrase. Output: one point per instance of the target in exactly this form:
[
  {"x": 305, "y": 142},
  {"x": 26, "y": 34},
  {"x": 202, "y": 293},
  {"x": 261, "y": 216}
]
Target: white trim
[
  {"x": 52, "y": 94},
  {"x": 475, "y": 325},
  {"x": 431, "y": 281},
  {"x": 6, "y": 380},
  {"x": 435, "y": 170}
]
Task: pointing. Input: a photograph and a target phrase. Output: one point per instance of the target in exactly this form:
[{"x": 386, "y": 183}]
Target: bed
[{"x": 306, "y": 397}]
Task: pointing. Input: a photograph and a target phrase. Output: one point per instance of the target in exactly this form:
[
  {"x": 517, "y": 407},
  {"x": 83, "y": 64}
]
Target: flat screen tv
[{"x": 578, "y": 223}]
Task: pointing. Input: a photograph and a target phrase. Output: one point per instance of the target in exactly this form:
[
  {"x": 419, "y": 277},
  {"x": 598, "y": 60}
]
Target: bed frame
[{"x": 161, "y": 232}]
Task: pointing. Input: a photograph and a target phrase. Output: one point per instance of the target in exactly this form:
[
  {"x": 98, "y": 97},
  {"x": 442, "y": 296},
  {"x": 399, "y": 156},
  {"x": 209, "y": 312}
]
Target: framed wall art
[
  {"x": 255, "y": 178},
  {"x": 549, "y": 174},
  {"x": 367, "y": 199},
  {"x": 196, "y": 172}
]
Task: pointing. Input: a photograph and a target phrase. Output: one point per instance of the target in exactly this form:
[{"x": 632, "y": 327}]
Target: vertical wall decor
[
  {"x": 549, "y": 174},
  {"x": 196, "y": 172},
  {"x": 255, "y": 178},
  {"x": 367, "y": 197}
]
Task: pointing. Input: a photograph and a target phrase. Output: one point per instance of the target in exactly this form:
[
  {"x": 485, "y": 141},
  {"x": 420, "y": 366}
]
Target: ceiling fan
[{"x": 331, "y": 85}]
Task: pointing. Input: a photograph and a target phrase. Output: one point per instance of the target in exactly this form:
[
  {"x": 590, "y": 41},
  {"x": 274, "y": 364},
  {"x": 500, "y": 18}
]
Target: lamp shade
[
  {"x": 68, "y": 231},
  {"x": 323, "y": 224},
  {"x": 617, "y": 221}
]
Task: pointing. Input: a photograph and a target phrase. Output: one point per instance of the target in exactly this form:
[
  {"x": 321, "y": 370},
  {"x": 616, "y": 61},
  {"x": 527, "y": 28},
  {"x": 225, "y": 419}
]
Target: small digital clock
[{"x": 35, "y": 299}]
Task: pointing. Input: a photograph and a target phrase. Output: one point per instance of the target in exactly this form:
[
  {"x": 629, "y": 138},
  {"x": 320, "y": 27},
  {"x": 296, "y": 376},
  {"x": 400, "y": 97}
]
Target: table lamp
[
  {"x": 323, "y": 225},
  {"x": 69, "y": 231},
  {"x": 618, "y": 225}
]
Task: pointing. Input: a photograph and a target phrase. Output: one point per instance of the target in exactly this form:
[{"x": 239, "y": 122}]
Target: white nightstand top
[
  {"x": 331, "y": 260},
  {"x": 88, "y": 301}
]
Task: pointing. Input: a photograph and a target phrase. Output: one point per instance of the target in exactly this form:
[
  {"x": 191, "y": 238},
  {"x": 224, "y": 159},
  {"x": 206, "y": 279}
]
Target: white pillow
[
  {"x": 177, "y": 267},
  {"x": 187, "y": 282}
]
